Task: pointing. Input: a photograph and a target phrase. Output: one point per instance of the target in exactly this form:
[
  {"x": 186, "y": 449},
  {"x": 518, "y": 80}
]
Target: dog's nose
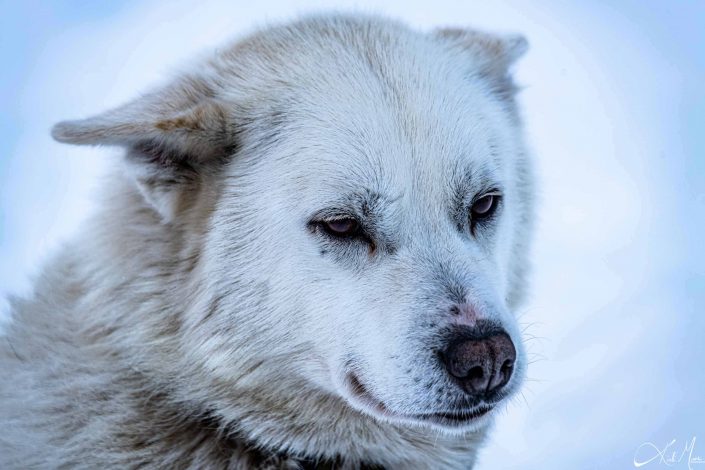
[{"x": 481, "y": 365}]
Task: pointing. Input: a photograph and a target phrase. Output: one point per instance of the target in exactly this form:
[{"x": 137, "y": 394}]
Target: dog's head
[{"x": 366, "y": 215}]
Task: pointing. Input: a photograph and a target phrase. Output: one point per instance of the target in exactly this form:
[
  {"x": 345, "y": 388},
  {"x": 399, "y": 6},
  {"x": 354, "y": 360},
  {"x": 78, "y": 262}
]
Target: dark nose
[{"x": 481, "y": 365}]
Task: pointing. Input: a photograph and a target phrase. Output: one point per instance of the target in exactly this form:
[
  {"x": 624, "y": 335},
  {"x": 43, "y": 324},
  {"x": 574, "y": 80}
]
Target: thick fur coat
[{"x": 207, "y": 316}]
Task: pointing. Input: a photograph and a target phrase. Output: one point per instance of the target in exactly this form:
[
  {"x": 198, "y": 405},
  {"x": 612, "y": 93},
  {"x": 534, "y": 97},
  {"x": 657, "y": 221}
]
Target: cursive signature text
[{"x": 671, "y": 454}]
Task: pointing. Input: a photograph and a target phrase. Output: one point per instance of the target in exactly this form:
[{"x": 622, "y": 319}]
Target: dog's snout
[{"x": 481, "y": 365}]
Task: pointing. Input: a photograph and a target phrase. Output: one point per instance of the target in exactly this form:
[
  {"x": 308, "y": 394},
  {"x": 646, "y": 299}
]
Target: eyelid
[
  {"x": 331, "y": 214},
  {"x": 338, "y": 217},
  {"x": 491, "y": 192}
]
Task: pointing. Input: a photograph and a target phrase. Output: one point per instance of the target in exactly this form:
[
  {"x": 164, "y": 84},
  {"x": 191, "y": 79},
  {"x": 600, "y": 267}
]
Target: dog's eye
[
  {"x": 342, "y": 228},
  {"x": 483, "y": 209}
]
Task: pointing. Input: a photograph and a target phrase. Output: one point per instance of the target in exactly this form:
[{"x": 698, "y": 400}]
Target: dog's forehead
[{"x": 412, "y": 138}]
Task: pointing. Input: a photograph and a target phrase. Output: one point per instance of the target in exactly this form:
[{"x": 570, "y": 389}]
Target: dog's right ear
[
  {"x": 169, "y": 134},
  {"x": 492, "y": 55}
]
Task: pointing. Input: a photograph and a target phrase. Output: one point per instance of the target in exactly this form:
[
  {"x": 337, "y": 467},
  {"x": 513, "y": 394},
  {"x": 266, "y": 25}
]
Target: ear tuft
[
  {"x": 515, "y": 46},
  {"x": 65, "y": 132},
  {"x": 487, "y": 48}
]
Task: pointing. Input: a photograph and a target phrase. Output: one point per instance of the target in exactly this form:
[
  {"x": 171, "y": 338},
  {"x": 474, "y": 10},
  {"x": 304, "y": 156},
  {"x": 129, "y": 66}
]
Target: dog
[{"x": 311, "y": 256}]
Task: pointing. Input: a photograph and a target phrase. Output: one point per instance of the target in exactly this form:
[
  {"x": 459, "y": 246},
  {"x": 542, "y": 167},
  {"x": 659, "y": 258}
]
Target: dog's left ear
[
  {"x": 170, "y": 135},
  {"x": 492, "y": 55}
]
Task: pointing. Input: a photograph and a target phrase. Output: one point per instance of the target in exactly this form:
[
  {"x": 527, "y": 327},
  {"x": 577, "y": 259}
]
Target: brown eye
[
  {"x": 484, "y": 207},
  {"x": 342, "y": 227}
]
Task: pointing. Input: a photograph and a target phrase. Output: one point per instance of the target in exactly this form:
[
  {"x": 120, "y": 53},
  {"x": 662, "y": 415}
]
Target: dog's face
[{"x": 370, "y": 211}]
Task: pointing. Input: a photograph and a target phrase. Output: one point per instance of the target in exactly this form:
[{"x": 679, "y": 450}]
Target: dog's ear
[
  {"x": 492, "y": 55},
  {"x": 170, "y": 135}
]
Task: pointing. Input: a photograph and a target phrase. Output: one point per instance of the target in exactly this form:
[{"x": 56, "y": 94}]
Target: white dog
[{"x": 311, "y": 260}]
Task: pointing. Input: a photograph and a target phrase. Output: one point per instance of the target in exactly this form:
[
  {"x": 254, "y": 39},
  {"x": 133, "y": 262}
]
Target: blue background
[{"x": 615, "y": 114}]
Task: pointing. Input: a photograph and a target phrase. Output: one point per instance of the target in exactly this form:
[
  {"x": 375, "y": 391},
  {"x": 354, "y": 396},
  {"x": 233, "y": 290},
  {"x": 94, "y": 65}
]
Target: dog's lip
[
  {"x": 450, "y": 418},
  {"x": 457, "y": 415}
]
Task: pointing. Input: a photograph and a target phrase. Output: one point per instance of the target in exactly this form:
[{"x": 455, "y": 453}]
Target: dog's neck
[
  {"x": 214, "y": 434},
  {"x": 204, "y": 438}
]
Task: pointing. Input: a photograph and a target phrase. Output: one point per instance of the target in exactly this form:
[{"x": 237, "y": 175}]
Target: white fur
[{"x": 201, "y": 321}]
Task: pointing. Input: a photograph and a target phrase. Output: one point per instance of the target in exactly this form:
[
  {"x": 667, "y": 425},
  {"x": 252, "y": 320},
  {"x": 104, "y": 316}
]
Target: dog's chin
[{"x": 451, "y": 422}]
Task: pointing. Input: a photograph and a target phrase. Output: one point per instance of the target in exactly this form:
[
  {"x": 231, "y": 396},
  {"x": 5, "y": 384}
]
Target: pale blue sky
[{"x": 615, "y": 113}]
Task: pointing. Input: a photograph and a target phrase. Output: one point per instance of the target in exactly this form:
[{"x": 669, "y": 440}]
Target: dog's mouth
[
  {"x": 361, "y": 397},
  {"x": 460, "y": 417}
]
